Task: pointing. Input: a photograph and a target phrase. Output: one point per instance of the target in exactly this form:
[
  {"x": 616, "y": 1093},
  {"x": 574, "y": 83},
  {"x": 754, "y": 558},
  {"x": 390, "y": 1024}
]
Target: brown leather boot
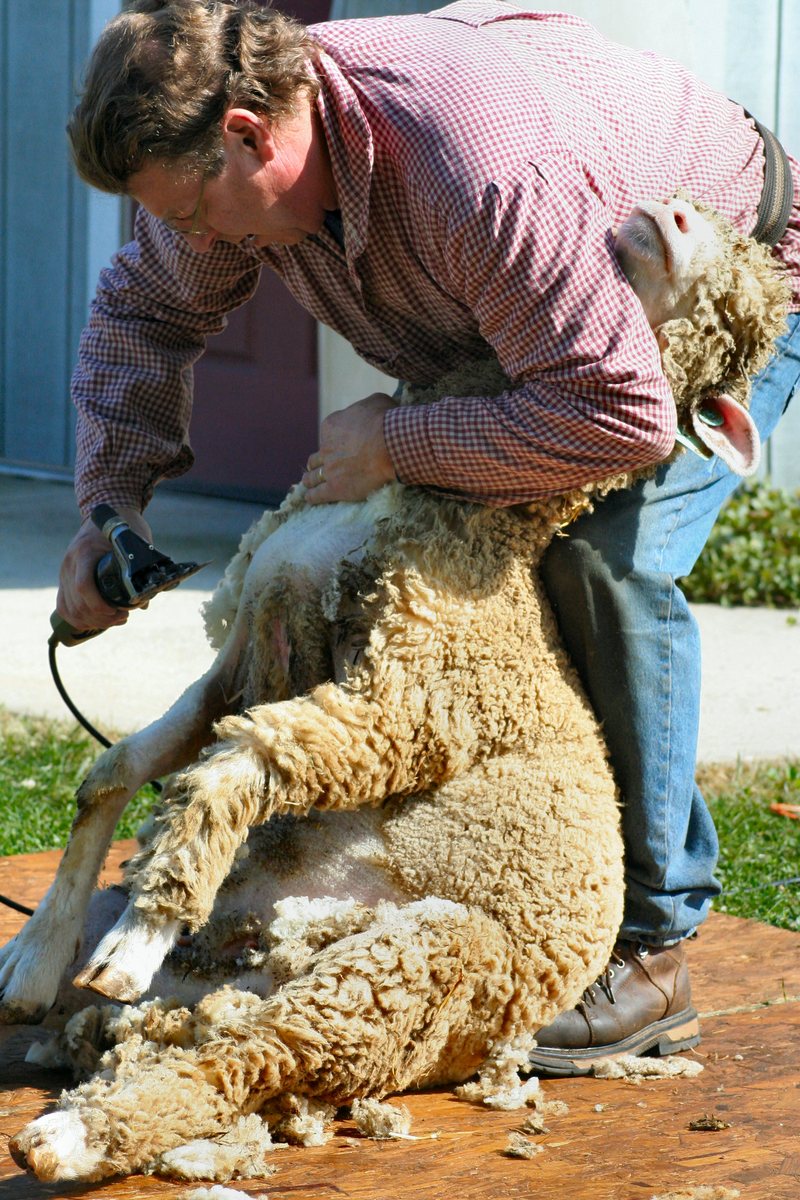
[{"x": 640, "y": 1004}]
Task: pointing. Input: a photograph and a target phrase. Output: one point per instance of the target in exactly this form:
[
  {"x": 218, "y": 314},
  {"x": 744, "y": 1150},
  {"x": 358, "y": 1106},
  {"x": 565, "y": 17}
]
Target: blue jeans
[{"x": 630, "y": 633}]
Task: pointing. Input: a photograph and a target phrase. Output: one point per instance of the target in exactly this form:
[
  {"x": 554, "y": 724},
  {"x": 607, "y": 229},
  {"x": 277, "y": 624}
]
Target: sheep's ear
[{"x": 728, "y": 430}]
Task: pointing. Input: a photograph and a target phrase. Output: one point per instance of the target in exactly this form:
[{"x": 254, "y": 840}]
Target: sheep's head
[{"x": 716, "y": 300}]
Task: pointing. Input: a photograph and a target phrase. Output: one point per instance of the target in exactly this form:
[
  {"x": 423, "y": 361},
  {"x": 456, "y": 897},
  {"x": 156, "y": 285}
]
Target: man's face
[
  {"x": 274, "y": 189},
  {"x": 663, "y": 250}
]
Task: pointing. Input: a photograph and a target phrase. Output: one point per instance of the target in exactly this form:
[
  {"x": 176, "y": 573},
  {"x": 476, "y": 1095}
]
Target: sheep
[
  {"x": 716, "y": 309},
  {"x": 403, "y": 797}
]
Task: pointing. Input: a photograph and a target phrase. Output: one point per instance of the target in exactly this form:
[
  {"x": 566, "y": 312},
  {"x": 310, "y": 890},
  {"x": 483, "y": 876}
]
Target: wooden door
[{"x": 256, "y": 405}]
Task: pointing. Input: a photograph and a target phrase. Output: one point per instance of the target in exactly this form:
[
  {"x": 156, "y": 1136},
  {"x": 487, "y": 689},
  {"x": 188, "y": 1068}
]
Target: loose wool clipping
[
  {"x": 217, "y": 1192},
  {"x": 635, "y": 1068},
  {"x": 700, "y": 1193}
]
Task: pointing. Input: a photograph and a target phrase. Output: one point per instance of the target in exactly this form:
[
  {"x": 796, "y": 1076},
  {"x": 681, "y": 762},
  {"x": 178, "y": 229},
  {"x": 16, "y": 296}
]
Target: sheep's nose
[{"x": 680, "y": 220}]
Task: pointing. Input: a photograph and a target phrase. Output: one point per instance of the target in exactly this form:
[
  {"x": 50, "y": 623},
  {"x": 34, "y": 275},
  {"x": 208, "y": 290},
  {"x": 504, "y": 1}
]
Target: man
[{"x": 432, "y": 186}]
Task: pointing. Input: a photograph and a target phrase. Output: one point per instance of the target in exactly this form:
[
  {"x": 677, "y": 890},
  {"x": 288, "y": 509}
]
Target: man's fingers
[
  {"x": 321, "y": 495},
  {"x": 352, "y": 460},
  {"x": 314, "y": 476},
  {"x": 82, "y": 614}
]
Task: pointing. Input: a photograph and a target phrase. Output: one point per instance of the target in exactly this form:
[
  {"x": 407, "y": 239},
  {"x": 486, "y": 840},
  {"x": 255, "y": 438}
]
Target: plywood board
[{"x": 618, "y": 1142}]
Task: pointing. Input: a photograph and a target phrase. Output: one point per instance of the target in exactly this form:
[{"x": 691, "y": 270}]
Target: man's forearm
[{"x": 154, "y": 308}]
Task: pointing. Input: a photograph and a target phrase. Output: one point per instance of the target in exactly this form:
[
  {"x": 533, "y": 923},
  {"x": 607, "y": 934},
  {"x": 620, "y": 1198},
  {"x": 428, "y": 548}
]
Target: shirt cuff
[
  {"x": 405, "y": 429},
  {"x": 132, "y": 489}
]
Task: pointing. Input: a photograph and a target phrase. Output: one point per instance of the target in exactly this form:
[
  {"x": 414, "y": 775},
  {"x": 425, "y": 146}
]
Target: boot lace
[{"x": 604, "y": 982}]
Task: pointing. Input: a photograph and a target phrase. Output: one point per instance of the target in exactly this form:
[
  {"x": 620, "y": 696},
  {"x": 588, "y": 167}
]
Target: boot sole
[{"x": 669, "y": 1036}]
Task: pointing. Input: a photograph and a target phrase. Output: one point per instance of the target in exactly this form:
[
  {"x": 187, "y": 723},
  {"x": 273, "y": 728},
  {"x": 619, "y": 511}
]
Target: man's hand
[
  {"x": 79, "y": 601},
  {"x": 352, "y": 460}
]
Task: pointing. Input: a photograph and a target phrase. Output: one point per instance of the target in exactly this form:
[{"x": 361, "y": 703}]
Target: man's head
[{"x": 164, "y": 73}]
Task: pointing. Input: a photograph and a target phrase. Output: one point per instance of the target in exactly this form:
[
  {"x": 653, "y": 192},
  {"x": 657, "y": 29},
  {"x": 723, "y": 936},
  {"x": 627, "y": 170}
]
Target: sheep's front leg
[
  {"x": 333, "y": 749},
  {"x": 33, "y": 963}
]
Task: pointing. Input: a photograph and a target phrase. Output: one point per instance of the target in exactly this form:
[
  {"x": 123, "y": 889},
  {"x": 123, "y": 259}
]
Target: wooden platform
[{"x": 619, "y": 1142}]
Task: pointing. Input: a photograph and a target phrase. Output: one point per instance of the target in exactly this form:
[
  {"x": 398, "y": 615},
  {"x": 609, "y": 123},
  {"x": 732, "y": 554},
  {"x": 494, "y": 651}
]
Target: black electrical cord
[
  {"x": 23, "y": 908},
  {"x": 77, "y": 714},
  {"x": 62, "y": 691},
  {"x": 6, "y": 900}
]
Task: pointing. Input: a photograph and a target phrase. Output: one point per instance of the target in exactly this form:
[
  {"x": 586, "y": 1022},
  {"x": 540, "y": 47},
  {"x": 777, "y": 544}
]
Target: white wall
[{"x": 745, "y": 48}]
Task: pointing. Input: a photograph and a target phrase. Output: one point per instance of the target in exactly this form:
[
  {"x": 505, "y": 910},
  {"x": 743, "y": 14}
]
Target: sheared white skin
[{"x": 663, "y": 249}]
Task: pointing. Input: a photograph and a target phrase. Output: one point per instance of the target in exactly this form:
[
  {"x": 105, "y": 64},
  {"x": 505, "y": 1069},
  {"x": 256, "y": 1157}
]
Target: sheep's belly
[
  {"x": 341, "y": 855},
  {"x": 330, "y": 859}
]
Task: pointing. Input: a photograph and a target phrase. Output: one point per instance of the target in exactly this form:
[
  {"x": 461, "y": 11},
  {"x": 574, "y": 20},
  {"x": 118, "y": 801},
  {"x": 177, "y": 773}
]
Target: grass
[
  {"x": 757, "y": 846},
  {"x": 42, "y": 762}
]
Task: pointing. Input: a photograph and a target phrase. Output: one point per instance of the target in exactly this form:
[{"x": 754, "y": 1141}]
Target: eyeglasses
[{"x": 194, "y": 228}]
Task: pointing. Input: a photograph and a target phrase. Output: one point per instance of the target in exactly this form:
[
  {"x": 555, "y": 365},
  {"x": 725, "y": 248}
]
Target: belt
[{"x": 777, "y": 195}]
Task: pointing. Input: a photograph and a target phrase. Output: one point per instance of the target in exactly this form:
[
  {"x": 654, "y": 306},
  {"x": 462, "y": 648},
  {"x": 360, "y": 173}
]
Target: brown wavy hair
[{"x": 163, "y": 74}]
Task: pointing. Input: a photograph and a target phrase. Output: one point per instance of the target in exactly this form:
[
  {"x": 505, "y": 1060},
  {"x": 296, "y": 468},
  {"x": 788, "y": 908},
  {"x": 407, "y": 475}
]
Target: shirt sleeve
[
  {"x": 535, "y": 264},
  {"x": 154, "y": 308}
]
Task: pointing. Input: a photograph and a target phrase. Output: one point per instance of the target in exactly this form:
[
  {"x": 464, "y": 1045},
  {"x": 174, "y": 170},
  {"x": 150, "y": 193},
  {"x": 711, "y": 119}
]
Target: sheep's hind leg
[
  {"x": 32, "y": 964},
  {"x": 415, "y": 999}
]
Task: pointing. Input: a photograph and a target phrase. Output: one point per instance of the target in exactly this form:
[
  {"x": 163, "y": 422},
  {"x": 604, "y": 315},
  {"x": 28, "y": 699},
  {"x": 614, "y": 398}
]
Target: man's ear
[{"x": 249, "y": 132}]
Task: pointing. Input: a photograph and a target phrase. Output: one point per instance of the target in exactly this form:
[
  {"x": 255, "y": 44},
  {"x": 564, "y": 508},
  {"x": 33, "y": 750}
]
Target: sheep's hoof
[
  {"x": 22, "y": 1012},
  {"x": 123, "y": 965},
  {"x": 109, "y": 982},
  {"x": 54, "y": 1148},
  {"x": 28, "y": 979}
]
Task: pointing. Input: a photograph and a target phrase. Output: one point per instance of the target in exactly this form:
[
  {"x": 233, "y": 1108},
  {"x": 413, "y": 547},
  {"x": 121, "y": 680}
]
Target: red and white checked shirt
[{"x": 481, "y": 156}]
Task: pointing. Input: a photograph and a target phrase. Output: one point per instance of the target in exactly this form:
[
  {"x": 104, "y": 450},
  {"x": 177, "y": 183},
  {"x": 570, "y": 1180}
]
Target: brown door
[{"x": 256, "y": 404}]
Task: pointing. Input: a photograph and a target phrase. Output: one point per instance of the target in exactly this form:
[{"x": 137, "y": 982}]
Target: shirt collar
[{"x": 349, "y": 139}]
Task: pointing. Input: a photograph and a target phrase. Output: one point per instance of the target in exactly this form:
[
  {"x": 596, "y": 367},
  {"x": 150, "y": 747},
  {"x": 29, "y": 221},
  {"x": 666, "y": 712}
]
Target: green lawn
[
  {"x": 759, "y": 850},
  {"x": 41, "y": 763}
]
